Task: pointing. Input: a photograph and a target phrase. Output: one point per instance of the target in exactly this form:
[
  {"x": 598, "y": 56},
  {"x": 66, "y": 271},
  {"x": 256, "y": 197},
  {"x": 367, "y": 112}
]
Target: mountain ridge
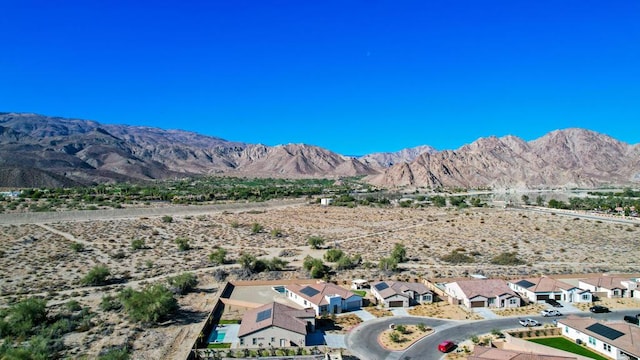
[{"x": 73, "y": 151}]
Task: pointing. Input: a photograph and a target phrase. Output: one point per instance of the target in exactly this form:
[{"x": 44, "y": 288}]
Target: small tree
[
  {"x": 388, "y": 264},
  {"x": 315, "y": 242},
  {"x": 439, "y": 201},
  {"x": 401, "y": 328},
  {"x": 96, "y": 276},
  {"x": 275, "y": 264},
  {"x": 525, "y": 199},
  {"x": 182, "y": 283},
  {"x": 539, "y": 200},
  {"x": 394, "y": 337},
  {"x": 399, "y": 253},
  {"x": 315, "y": 267},
  {"x": 218, "y": 257}
]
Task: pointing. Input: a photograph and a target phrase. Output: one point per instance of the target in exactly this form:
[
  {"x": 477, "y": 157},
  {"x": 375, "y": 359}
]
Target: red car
[{"x": 446, "y": 346}]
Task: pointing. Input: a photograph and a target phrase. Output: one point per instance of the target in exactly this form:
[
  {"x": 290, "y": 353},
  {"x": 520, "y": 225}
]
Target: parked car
[
  {"x": 446, "y": 346},
  {"x": 553, "y": 303},
  {"x": 528, "y": 322},
  {"x": 550, "y": 312},
  {"x": 599, "y": 309},
  {"x": 632, "y": 319}
]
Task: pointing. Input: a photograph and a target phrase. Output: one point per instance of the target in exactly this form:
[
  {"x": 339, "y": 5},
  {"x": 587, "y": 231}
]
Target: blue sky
[{"x": 352, "y": 76}]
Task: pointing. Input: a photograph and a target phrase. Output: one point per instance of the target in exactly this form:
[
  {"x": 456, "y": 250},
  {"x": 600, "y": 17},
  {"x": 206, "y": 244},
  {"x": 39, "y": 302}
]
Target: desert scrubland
[{"x": 51, "y": 259}]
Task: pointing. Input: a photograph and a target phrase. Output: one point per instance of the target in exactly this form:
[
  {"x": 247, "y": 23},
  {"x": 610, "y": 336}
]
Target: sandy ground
[{"x": 37, "y": 257}]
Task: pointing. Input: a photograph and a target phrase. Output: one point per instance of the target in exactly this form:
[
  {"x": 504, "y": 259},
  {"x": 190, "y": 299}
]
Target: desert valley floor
[{"x": 37, "y": 258}]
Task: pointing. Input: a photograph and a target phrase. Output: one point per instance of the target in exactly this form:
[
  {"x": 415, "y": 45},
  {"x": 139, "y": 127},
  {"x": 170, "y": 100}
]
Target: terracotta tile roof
[
  {"x": 484, "y": 287},
  {"x": 322, "y": 290},
  {"x": 607, "y": 282},
  {"x": 543, "y": 284},
  {"x": 485, "y": 353},
  {"x": 399, "y": 288},
  {"x": 275, "y": 314},
  {"x": 629, "y": 341}
]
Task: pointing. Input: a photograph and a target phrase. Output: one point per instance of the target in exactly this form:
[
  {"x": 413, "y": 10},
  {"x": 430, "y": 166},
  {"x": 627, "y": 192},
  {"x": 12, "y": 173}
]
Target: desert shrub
[
  {"x": 167, "y": 219},
  {"x": 316, "y": 268},
  {"x": 276, "y": 233},
  {"x": 183, "y": 244},
  {"x": 182, "y": 283},
  {"x": 96, "y": 276},
  {"x": 333, "y": 255},
  {"x": 218, "y": 256},
  {"x": 507, "y": 258},
  {"x": 315, "y": 241},
  {"x": 115, "y": 354},
  {"x": 23, "y": 318},
  {"x": 72, "y": 305},
  {"x": 256, "y": 228},
  {"x": 137, "y": 244},
  {"x": 110, "y": 303},
  {"x": 77, "y": 247},
  {"x": 151, "y": 305},
  {"x": 456, "y": 257}
]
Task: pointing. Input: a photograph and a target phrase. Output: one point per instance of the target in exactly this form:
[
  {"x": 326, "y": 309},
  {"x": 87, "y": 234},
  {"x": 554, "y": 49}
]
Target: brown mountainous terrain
[
  {"x": 37, "y": 150},
  {"x": 60, "y": 152},
  {"x": 570, "y": 158}
]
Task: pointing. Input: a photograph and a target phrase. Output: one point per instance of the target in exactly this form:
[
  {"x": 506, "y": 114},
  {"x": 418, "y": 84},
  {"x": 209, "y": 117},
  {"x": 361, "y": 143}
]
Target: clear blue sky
[{"x": 351, "y": 76}]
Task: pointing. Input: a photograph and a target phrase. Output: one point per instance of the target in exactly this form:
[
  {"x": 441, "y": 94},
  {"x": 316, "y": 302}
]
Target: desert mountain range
[{"x": 39, "y": 151}]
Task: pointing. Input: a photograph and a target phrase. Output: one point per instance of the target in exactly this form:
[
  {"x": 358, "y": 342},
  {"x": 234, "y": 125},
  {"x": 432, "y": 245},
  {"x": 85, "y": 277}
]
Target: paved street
[{"x": 362, "y": 341}]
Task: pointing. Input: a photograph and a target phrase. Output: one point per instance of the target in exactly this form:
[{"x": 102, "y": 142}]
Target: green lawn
[
  {"x": 362, "y": 293},
  {"x": 219, "y": 345},
  {"x": 567, "y": 345}
]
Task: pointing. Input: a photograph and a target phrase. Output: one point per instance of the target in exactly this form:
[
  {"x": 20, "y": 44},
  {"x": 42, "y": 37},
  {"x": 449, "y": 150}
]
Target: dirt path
[
  {"x": 134, "y": 213},
  {"x": 104, "y": 258}
]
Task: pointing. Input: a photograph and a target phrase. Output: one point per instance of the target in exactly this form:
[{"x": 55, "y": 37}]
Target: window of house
[
  {"x": 241, "y": 341},
  {"x": 513, "y": 301},
  {"x": 606, "y": 347},
  {"x": 254, "y": 341},
  {"x": 273, "y": 340},
  {"x": 305, "y": 302},
  {"x": 592, "y": 341},
  {"x": 566, "y": 329},
  {"x": 585, "y": 296}
]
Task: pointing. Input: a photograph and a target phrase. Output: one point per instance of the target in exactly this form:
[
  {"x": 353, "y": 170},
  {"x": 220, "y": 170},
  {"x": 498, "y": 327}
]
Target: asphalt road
[{"x": 362, "y": 341}]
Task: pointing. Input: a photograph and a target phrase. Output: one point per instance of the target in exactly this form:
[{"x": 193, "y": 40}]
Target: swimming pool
[
  {"x": 279, "y": 289},
  {"x": 217, "y": 336}
]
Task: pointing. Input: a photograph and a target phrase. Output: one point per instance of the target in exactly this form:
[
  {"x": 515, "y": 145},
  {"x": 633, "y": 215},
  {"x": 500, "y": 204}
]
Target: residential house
[
  {"x": 276, "y": 325},
  {"x": 401, "y": 294},
  {"x": 324, "y": 298},
  {"x": 473, "y": 293},
  {"x": 544, "y": 288},
  {"x": 491, "y": 353},
  {"x": 611, "y": 286},
  {"x": 613, "y": 340}
]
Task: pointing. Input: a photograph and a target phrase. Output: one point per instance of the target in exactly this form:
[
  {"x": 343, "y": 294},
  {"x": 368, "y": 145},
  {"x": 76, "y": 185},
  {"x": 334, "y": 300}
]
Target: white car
[
  {"x": 550, "y": 312},
  {"x": 528, "y": 322}
]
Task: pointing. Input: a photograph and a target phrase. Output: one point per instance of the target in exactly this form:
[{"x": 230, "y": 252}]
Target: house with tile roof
[
  {"x": 276, "y": 325},
  {"x": 611, "y": 286},
  {"x": 491, "y": 353},
  {"x": 323, "y": 298},
  {"x": 543, "y": 288},
  {"x": 473, "y": 293},
  {"x": 400, "y": 293},
  {"x": 613, "y": 340}
]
